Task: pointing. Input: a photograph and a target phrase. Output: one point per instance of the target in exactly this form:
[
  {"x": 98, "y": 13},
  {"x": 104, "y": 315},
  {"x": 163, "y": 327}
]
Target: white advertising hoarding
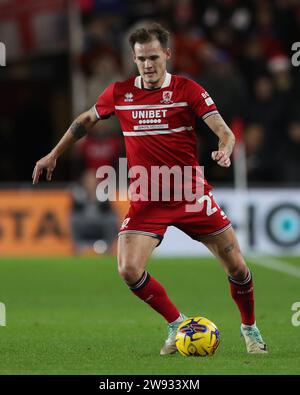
[{"x": 266, "y": 221}]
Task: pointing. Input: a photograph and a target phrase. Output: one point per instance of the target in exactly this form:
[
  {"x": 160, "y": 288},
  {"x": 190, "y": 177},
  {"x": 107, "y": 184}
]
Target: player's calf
[
  {"x": 154, "y": 294},
  {"x": 242, "y": 293}
]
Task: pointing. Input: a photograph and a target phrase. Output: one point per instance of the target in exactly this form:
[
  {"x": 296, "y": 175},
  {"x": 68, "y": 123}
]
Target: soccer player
[{"x": 157, "y": 113}]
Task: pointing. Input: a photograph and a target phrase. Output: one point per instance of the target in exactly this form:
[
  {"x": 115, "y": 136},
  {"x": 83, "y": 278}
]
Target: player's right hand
[{"x": 47, "y": 163}]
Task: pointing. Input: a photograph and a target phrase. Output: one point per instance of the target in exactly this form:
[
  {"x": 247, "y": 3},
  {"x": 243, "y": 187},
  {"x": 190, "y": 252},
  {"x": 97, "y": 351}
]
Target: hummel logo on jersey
[
  {"x": 167, "y": 95},
  {"x": 128, "y": 97}
]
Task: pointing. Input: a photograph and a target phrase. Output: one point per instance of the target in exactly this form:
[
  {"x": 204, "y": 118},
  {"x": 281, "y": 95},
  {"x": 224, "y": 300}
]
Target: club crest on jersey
[
  {"x": 128, "y": 97},
  {"x": 166, "y": 98}
]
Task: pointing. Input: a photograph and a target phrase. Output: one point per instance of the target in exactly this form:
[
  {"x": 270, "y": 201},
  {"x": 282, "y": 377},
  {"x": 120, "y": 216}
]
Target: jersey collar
[{"x": 166, "y": 83}]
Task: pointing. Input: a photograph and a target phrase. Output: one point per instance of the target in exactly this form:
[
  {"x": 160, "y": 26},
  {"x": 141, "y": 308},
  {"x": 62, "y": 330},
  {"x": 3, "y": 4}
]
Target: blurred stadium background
[{"x": 60, "y": 55}]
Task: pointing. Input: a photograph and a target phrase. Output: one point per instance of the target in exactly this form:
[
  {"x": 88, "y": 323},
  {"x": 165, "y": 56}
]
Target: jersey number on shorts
[{"x": 209, "y": 209}]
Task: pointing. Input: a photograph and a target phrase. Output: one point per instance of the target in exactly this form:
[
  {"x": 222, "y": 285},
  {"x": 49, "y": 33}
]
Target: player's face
[{"x": 151, "y": 60}]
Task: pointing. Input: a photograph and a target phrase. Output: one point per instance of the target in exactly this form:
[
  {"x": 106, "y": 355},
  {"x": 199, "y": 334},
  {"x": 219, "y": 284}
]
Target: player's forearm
[
  {"x": 64, "y": 143},
  {"x": 78, "y": 129},
  {"x": 226, "y": 140}
]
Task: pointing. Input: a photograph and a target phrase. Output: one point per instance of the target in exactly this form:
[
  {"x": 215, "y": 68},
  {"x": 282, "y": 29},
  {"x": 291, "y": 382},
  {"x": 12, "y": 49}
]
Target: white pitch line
[{"x": 275, "y": 264}]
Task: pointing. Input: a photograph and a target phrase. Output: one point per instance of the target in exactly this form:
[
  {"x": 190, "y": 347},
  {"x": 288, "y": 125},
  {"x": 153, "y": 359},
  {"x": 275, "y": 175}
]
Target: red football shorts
[{"x": 152, "y": 218}]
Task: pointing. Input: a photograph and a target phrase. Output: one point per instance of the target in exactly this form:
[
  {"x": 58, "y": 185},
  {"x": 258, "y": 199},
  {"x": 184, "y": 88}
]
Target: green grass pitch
[{"x": 75, "y": 316}]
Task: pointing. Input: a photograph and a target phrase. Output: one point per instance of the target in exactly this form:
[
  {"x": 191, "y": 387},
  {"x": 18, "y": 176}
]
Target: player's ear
[
  {"x": 168, "y": 53},
  {"x": 133, "y": 56}
]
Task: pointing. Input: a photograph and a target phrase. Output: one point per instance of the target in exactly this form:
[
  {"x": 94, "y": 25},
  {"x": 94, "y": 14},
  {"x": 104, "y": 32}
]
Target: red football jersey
[
  {"x": 158, "y": 124},
  {"x": 98, "y": 152}
]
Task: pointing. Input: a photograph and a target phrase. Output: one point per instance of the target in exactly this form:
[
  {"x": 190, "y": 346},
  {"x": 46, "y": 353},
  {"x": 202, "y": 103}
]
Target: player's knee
[
  {"x": 238, "y": 271},
  {"x": 129, "y": 271}
]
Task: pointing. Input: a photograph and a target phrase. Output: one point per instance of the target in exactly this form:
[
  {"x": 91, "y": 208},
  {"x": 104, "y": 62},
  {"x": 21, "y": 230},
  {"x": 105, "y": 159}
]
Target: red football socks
[
  {"x": 243, "y": 295},
  {"x": 153, "y": 293}
]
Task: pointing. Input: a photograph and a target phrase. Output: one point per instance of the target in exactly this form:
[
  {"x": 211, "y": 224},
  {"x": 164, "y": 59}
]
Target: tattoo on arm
[
  {"x": 229, "y": 248},
  {"x": 78, "y": 130}
]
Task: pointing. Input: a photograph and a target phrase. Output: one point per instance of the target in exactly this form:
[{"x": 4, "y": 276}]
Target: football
[{"x": 198, "y": 337}]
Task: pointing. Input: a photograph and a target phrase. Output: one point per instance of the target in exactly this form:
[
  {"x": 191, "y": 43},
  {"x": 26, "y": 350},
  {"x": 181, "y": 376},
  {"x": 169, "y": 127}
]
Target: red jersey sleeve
[
  {"x": 105, "y": 105},
  {"x": 200, "y": 101}
]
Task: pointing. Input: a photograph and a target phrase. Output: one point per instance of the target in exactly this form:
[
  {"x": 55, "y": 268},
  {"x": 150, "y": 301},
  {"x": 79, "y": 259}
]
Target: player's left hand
[{"x": 222, "y": 158}]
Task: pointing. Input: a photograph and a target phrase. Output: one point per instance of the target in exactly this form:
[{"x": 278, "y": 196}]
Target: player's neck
[{"x": 156, "y": 85}]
